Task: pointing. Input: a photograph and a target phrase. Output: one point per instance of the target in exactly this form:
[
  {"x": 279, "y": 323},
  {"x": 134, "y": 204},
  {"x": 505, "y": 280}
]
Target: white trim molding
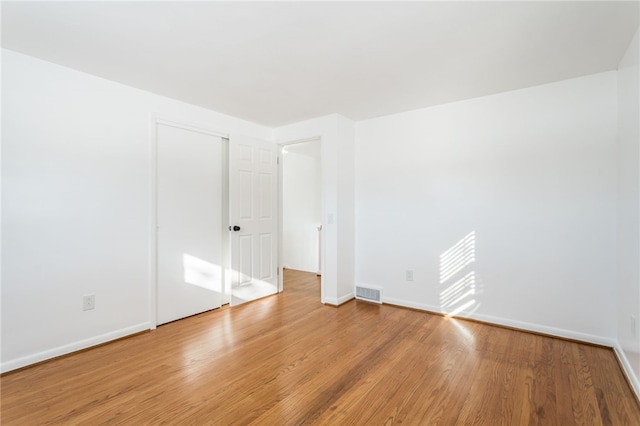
[
  {"x": 72, "y": 347},
  {"x": 627, "y": 369},
  {"x": 158, "y": 119},
  {"x": 519, "y": 325},
  {"x": 340, "y": 300}
]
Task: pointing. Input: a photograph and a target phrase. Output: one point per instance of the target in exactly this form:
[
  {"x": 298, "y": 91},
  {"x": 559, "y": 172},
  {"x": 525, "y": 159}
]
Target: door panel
[
  {"x": 245, "y": 259},
  {"x": 246, "y": 195},
  {"x": 189, "y": 217},
  {"x": 252, "y": 206},
  {"x": 266, "y": 252}
]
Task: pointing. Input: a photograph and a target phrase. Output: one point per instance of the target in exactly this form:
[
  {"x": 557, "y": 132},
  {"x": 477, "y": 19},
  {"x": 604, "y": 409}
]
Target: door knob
[{"x": 234, "y": 228}]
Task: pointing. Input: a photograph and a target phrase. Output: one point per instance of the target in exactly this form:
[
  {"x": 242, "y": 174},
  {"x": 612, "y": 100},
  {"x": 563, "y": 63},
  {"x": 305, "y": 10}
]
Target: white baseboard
[
  {"x": 410, "y": 304},
  {"x": 627, "y": 369},
  {"x": 520, "y": 325},
  {"x": 6, "y": 366},
  {"x": 339, "y": 301},
  {"x": 71, "y": 347}
]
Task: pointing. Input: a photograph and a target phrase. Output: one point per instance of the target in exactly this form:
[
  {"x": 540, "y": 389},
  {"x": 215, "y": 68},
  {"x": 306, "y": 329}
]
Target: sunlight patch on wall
[
  {"x": 201, "y": 273},
  {"x": 458, "y": 278},
  {"x": 457, "y": 257},
  {"x": 455, "y": 298}
]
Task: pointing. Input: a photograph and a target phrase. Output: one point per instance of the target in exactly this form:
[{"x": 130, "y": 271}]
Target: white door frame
[
  {"x": 281, "y": 145},
  {"x": 155, "y": 121}
]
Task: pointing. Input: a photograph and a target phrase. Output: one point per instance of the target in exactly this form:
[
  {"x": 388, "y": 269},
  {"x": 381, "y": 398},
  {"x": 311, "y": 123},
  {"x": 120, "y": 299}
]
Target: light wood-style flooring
[{"x": 289, "y": 360}]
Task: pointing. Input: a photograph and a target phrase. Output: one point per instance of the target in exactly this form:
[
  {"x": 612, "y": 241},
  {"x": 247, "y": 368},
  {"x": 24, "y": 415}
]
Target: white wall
[
  {"x": 301, "y": 210},
  {"x": 531, "y": 173},
  {"x": 337, "y": 152},
  {"x": 346, "y": 247},
  {"x": 628, "y": 288},
  {"x": 76, "y": 195}
]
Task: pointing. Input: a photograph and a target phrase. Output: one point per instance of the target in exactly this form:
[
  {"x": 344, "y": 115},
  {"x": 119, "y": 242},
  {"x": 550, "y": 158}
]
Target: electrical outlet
[
  {"x": 88, "y": 302},
  {"x": 634, "y": 326},
  {"x": 409, "y": 275}
]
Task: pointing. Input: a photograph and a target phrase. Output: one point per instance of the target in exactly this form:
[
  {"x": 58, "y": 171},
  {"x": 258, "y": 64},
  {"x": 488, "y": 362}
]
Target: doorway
[{"x": 302, "y": 206}]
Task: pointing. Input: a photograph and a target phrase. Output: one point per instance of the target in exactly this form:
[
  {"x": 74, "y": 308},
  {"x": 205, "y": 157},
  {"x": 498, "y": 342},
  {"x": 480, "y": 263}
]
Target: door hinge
[{"x": 277, "y": 160}]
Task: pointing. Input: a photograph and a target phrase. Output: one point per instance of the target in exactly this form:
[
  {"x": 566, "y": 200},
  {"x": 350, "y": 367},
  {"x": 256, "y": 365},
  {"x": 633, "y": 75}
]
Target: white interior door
[
  {"x": 189, "y": 219},
  {"x": 253, "y": 215}
]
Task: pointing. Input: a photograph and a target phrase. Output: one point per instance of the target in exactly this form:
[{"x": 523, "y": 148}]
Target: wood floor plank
[
  {"x": 288, "y": 359},
  {"x": 562, "y": 364}
]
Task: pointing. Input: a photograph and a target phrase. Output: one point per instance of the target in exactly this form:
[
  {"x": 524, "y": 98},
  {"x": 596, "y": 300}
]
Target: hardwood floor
[{"x": 287, "y": 359}]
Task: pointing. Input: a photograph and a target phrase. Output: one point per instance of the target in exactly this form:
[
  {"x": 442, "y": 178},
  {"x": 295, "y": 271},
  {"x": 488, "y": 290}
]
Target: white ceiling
[{"x": 276, "y": 63}]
